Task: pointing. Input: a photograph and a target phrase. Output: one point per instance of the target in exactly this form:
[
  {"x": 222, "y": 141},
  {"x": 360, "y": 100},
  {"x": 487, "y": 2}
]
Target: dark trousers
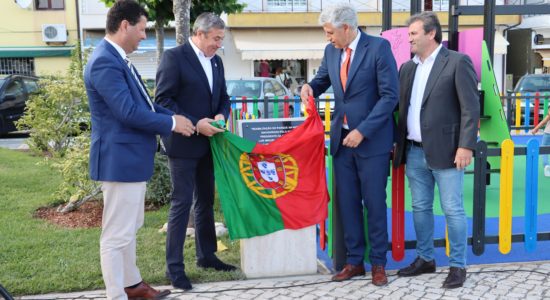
[
  {"x": 361, "y": 183},
  {"x": 190, "y": 175}
]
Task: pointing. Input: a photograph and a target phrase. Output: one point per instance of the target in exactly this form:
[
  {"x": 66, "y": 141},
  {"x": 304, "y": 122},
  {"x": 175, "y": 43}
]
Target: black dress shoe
[
  {"x": 182, "y": 282},
  {"x": 216, "y": 264},
  {"x": 455, "y": 279},
  {"x": 419, "y": 266}
]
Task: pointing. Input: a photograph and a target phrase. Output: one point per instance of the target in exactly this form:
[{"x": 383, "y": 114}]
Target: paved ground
[{"x": 501, "y": 281}]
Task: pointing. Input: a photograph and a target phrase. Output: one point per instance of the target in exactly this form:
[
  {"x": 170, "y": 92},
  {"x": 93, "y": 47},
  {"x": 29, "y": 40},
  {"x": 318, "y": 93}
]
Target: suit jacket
[
  {"x": 124, "y": 128},
  {"x": 370, "y": 97},
  {"x": 182, "y": 86},
  {"x": 449, "y": 114}
]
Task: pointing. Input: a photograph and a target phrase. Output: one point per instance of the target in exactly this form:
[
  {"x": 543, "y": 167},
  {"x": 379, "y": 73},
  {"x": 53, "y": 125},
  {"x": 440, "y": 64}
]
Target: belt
[{"x": 415, "y": 143}]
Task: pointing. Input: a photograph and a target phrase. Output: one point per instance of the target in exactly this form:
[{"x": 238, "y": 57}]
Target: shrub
[
  {"x": 158, "y": 188},
  {"x": 58, "y": 112}
]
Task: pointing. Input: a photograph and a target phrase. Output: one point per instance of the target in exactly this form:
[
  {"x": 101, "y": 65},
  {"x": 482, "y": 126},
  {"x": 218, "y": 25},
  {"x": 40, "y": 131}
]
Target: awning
[
  {"x": 295, "y": 43},
  {"x": 48, "y": 51},
  {"x": 501, "y": 44}
]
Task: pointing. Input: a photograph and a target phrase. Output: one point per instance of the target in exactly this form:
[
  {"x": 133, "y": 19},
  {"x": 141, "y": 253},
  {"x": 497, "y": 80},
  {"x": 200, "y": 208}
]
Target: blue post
[
  {"x": 297, "y": 106},
  {"x": 531, "y": 194}
]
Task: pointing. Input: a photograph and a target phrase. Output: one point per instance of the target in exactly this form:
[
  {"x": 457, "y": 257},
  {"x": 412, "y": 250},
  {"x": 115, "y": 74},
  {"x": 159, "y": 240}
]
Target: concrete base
[{"x": 282, "y": 253}]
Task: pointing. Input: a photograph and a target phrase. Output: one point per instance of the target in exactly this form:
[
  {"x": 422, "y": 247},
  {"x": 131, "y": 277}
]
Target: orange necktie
[{"x": 344, "y": 70}]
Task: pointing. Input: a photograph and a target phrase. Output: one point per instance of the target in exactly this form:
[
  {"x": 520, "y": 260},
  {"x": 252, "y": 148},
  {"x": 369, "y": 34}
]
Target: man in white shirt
[
  {"x": 437, "y": 132},
  {"x": 191, "y": 82}
]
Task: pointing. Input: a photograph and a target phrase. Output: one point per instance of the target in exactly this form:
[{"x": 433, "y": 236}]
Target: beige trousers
[{"x": 123, "y": 210}]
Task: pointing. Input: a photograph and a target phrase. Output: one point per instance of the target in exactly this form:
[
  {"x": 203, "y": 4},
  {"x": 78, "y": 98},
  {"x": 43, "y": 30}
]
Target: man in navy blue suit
[
  {"x": 123, "y": 144},
  {"x": 191, "y": 82},
  {"x": 363, "y": 74}
]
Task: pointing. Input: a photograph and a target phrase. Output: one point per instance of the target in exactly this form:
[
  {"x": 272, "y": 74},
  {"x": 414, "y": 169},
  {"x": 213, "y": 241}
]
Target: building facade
[
  {"x": 37, "y": 36},
  {"x": 286, "y": 33}
]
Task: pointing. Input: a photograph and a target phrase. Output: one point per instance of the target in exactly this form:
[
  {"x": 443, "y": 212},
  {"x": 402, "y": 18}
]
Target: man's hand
[
  {"x": 219, "y": 117},
  {"x": 205, "y": 128},
  {"x": 353, "y": 139},
  {"x": 305, "y": 93},
  {"x": 184, "y": 125},
  {"x": 463, "y": 158},
  {"x": 534, "y": 130}
]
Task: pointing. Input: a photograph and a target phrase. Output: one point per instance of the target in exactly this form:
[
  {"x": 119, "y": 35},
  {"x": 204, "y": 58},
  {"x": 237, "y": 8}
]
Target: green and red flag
[{"x": 266, "y": 188}]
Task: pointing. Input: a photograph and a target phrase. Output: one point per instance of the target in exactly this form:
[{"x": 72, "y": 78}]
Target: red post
[
  {"x": 398, "y": 213},
  {"x": 286, "y": 110}
]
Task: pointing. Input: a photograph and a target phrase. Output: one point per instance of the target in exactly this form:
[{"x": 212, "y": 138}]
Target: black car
[{"x": 14, "y": 93}]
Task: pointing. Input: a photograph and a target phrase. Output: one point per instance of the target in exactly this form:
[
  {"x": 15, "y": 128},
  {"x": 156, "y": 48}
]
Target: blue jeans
[
  {"x": 545, "y": 142},
  {"x": 422, "y": 181}
]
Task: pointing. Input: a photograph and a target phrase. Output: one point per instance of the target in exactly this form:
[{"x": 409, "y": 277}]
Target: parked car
[
  {"x": 14, "y": 93},
  {"x": 328, "y": 95},
  {"x": 532, "y": 83},
  {"x": 259, "y": 87}
]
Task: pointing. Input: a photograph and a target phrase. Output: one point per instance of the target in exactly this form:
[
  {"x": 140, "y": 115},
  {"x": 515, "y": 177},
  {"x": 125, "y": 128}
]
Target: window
[
  {"x": 17, "y": 65},
  {"x": 50, "y": 4},
  {"x": 15, "y": 89},
  {"x": 279, "y": 89},
  {"x": 286, "y": 5},
  {"x": 32, "y": 85}
]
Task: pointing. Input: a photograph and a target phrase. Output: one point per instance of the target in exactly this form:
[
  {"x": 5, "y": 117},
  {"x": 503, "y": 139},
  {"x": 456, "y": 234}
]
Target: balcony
[{"x": 255, "y": 6}]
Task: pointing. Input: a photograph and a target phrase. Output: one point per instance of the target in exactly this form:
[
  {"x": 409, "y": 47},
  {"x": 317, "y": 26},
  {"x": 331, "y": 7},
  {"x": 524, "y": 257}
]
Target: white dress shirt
[
  {"x": 423, "y": 70},
  {"x": 122, "y": 54},
  {"x": 205, "y": 63}
]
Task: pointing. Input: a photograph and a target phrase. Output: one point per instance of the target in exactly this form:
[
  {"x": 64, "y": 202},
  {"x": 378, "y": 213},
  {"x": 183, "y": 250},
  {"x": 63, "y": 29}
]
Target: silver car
[{"x": 259, "y": 88}]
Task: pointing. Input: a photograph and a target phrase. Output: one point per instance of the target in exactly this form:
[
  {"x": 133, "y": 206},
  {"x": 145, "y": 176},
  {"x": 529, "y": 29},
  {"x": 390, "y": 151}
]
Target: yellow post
[
  {"x": 506, "y": 187},
  {"x": 447, "y": 245},
  {"x": 327, "y": 117},
  {"x": 518, "y": 111}
]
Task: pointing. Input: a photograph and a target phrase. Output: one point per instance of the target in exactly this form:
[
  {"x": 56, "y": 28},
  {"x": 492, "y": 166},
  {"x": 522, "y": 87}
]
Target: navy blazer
[
  {"x": 124, "y": 128},
  {"x": 370, "y": 97},
  {"x": 182, "y": 86}
]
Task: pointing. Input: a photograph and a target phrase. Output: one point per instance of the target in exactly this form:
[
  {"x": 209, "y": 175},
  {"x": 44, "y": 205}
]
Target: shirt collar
[
  {"x": 430, "y": 58},
  {"x": 118, "y": 49},
  {"x": 198, "y": 51}
]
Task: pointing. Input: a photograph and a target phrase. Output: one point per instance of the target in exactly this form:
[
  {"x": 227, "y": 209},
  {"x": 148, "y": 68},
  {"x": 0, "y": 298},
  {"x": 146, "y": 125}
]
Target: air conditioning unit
[{"x": 54, "y": 33}]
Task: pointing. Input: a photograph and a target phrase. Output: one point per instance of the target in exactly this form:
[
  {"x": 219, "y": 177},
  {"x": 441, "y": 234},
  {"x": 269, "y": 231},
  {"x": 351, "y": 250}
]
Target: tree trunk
[
  {"x": 159, "y": 31},
  {"x": 182, "y": 14},
  {"x": 71, "y": 206}
]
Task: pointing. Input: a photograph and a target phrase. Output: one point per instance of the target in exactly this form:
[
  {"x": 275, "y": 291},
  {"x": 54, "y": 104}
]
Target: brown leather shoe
[
  {"x": 349, "y": 271},
  {"x": 145, "y": 291},
  {"x": 379, "y": 276}
]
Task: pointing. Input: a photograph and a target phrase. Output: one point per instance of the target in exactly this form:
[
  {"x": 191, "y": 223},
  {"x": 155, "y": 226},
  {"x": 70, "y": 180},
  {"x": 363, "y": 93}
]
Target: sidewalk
[{"x": 498, "y": 281}]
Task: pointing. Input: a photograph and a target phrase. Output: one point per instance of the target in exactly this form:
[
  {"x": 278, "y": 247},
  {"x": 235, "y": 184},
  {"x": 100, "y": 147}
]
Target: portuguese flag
[{"x": 265, "y": 188}]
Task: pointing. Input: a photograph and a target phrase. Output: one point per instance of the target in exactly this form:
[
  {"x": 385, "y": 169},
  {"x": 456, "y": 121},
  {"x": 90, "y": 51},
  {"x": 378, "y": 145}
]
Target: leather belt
[{"x": 415, "y": 143}]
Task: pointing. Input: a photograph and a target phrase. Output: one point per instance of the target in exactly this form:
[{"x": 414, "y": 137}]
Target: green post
[
  {"x": 545, "y": 104},
  {"x": 255, "y": 107},
  {"x": 276, "y": 107}
]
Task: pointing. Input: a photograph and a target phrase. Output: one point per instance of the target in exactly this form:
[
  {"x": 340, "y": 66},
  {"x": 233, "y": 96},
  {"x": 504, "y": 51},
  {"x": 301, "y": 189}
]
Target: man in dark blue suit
[
  {"x": 123, "y": 144},
  {"x": 363, "y": 74},
  {"x": 191, "y": 82}
]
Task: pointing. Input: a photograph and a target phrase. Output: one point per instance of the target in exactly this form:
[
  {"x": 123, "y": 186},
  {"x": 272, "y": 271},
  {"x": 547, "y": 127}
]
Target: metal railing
[{"x": 360, "y": 5}]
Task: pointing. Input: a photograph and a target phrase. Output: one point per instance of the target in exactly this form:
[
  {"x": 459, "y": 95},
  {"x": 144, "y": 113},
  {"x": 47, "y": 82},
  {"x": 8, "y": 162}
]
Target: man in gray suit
[{"x": 437, "y": 130}]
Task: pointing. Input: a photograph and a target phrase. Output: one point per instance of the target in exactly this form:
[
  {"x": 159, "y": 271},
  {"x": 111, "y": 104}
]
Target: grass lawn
[{"x": 37, "y": 257}]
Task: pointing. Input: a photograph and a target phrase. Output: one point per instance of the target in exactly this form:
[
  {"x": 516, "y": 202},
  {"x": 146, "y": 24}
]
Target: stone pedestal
[{"x": 282, "y": 253}]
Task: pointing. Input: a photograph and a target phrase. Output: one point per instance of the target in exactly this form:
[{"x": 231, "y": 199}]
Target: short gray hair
[
  {"x": 338, "y": 15},
  {"x": 207, "y": 21}
]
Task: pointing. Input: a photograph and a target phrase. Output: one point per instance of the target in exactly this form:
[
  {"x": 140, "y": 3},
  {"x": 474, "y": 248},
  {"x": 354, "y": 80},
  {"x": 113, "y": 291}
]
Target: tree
[{"x": 184, "y": 12}]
